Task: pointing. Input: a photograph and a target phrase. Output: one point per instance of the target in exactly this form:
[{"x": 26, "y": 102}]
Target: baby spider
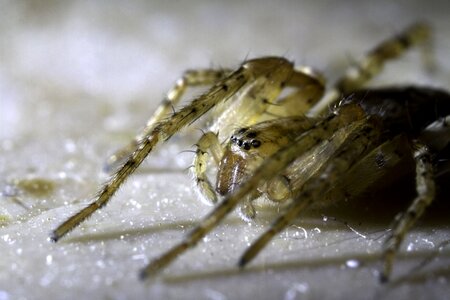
[{"x": 292, "y": 149}]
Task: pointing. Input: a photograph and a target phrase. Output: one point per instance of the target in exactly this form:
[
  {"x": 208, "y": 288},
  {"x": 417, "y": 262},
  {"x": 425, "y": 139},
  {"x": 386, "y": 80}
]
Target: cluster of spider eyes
[{"x": 246, "y": 145}]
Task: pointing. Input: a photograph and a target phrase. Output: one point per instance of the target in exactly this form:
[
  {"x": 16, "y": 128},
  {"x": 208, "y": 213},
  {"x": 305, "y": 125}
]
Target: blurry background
[{"x": 77, "y": 81}]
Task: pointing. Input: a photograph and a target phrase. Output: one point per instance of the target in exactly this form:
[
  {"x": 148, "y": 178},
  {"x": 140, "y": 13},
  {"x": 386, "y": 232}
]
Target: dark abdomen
[{"x": 403, "y": 109}]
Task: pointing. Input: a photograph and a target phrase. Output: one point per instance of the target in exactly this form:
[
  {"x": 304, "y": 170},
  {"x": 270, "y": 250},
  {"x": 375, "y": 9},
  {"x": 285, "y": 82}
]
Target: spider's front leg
[
  {"x": 190, "y": 78},
  {"x": 223, "y": 90},
  {"x": 252, "y": 73}
]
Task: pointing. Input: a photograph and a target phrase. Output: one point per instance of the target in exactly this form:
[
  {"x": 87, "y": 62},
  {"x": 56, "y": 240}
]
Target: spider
[{"x": 293, "y": 149}]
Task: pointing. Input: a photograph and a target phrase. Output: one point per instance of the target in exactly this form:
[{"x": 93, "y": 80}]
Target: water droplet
[
  {"x": 410, "y": 247},
  {"x": 62, "y": 175},
  {"x": 49, "y": 260},
  {"x": 100, "y": 264},
  {"x": 430, "y": 243},
  {"x": 135, "y": 204},
  {"x": 139, "y": 257},
  {"x": 352, "y": 263},
  {"x": 299, "y": 233},
  {"x": 70, "y": 146}
]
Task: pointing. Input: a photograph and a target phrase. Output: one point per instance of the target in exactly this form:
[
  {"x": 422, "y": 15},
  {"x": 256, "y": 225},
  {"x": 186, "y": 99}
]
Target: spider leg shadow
[
  {"x": 315, "y": 264},
  {"x": 118, "y": 232}
]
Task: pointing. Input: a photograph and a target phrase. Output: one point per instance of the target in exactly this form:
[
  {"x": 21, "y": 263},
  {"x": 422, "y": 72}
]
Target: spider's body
[
  {"x": 400, "y": 113},
  {"x": 293, "y": 149}
]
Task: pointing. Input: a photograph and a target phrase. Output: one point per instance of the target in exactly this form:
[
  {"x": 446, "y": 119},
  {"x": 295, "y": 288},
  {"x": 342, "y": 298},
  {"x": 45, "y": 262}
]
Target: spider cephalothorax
[{"x": 294, "y": 149}]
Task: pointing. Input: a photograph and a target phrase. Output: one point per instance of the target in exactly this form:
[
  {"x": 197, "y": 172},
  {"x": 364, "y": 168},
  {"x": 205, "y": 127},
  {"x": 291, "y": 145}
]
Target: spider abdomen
[{"x": 405, "y": 110}]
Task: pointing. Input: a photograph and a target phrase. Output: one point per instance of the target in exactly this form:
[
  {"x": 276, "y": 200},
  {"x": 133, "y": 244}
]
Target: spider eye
[
  {"x": 242, "y": 130},
  {"x": 251, "y": 135},
  {"x": 256, "y": 143}
]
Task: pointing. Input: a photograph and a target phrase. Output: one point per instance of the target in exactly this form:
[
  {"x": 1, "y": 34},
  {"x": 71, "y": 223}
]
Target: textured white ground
[{"x": 77, "y": 79}]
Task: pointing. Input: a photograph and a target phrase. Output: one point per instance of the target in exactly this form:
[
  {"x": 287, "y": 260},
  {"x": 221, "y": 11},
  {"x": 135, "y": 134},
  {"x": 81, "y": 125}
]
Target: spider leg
[
  {"x": 426, "y": 190},
  {"x": 269, "y": 168},
  {"x": 334, "y": 158},
  {"x": 372, "y": 64},
  {"x": 308, "y": 91},
  {"x": 306, "y": 198},
  {"x": 190, "y": 78},
  {"x": 251, "y": 75},
  {"x": 247, "y": 210},
  {"x": 209, "y": 142},
  {"x": 437, "y": 134}
]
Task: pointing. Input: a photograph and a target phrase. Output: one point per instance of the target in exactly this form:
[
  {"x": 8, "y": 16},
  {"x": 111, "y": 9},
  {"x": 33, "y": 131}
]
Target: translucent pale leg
[
  {"x": 207, "y": 144},
  {"x": 306, "y": 94},
  {"x": 372, "y": 64}
]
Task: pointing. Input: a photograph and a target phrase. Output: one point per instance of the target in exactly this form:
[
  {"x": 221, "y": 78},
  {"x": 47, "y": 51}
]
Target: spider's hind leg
[
  {"x": 426, "y": 190},
  {"x": 360, "y": 73},
  {"x": 372, "y": 64}
]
